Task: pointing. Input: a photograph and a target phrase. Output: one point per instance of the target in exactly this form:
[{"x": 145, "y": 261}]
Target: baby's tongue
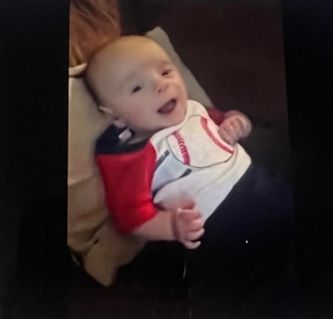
[{"x": 167, "y": 107}]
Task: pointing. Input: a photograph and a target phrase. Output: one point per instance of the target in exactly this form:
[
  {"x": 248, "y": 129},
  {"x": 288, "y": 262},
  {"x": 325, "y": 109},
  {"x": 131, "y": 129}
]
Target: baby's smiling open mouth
[{"x": 167, "y": 107}]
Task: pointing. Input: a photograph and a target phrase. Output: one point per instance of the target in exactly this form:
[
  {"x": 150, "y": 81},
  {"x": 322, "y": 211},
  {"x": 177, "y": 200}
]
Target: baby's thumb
[
  {"x": 188, "y": 214},
  {"x": 188, "y": 203}
]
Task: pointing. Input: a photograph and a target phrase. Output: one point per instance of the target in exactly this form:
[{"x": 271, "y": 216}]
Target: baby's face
[{"x": 144, "y": 89}]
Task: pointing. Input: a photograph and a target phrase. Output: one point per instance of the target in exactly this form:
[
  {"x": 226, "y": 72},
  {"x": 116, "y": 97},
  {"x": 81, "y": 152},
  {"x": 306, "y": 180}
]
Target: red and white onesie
[{"x": 182, "y": 163}]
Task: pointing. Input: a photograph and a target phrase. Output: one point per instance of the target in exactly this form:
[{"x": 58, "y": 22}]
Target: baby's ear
[
  {"x": 106, "y": 110},
  {"x": 117, "y": 121}
]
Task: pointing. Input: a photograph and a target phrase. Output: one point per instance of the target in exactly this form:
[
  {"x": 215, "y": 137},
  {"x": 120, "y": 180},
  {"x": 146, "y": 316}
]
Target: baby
[
  {"x": 178, "y": 160},
  {"x": 179, "y": 174}
]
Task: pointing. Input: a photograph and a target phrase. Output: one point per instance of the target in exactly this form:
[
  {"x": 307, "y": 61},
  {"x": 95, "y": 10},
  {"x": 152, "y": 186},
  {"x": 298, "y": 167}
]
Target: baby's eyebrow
[
  {"x": 128, "y": 78},
  {"x": 131, "y": 75},
  {"x": 166, "y": 63}
]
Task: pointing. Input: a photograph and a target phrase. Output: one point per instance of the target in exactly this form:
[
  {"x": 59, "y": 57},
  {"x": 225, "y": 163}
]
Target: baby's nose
[{"x": 161, "y": 85}]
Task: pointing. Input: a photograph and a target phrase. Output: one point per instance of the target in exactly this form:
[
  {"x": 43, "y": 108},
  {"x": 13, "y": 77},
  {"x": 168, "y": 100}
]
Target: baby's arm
[
  {"x": 184, "y": 225},
  {"x": 127, "y": 181},
  {"x": 234, "y": 127}
]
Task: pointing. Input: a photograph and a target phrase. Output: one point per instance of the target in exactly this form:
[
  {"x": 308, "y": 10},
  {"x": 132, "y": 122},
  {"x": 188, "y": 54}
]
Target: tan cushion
[
  {"x": 86, "y": 123},
  {"x": 91, "y": 234}
]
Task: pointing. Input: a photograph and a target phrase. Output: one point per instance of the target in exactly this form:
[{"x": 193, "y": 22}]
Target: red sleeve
[
  {"x": 216, "y": 115},
  {"x": 127, "y": 181}
]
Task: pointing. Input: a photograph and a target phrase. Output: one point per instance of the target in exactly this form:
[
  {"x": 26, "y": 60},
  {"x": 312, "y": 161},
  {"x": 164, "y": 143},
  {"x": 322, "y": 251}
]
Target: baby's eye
[
  {"x": 166, "y": 72},
  {"x": 136, "y": 89}
]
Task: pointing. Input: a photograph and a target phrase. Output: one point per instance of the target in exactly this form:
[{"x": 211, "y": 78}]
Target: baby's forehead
[
  {"x": 140, "y": 58},
  {"x": 120, "y": 60},
  {"x": 134, "y": 47}
]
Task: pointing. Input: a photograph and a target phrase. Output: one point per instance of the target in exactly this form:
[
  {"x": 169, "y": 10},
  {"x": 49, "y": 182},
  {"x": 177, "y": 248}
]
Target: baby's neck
[
  {"x": 137, "y": 139},
  {"x": 132, "y": 137}
]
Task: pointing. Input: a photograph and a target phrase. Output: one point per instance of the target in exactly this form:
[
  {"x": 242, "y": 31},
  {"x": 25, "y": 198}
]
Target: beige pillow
[
  {"x": 86, "y": 123},
  {"x": 90, "y": 231}
]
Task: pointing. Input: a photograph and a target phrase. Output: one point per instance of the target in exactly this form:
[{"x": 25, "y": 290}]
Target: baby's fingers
[
  {"x": 188, "y": 215},
  {"x": 244, "y": 125},
  {"x": 196, "y": 224},
  {"x": 192, "y": 244},
  {"x": 227, "y": 135},
  {"x": 194, "y": 235}
]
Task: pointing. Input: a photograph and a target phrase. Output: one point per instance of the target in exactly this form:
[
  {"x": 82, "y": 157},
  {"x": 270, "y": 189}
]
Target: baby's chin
[
  {"x": 180, "y": 113},
  {"x": 165, "y": 121},
  {"x": 146, "y": 133}
]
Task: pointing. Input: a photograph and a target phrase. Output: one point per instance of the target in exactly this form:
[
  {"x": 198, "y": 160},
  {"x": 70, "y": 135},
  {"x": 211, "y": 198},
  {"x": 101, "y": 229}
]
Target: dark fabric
[
  {"x": 109, "y": 142},
  {"x": 159, "y": 268},
  {"x": 249, "y": 237}
]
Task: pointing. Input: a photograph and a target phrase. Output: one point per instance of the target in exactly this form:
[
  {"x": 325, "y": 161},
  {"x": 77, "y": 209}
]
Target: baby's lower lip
[{"x": 167, "y": 107}]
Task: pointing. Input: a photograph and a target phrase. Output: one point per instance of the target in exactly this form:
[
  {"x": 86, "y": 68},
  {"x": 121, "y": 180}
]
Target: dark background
[
  {"x": 33, "y": 130},
  {"x": 309, "y": 61}
]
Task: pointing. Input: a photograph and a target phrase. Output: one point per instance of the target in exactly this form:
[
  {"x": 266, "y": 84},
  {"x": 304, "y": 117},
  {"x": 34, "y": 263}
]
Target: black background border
[{"x": 33, "y": 122}]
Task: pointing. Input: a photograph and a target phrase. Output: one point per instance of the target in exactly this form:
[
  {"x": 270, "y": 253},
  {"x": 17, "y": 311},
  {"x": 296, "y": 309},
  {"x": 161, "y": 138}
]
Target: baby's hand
[
  {"x": 188, "y": 227},
  {"x": 235, "y": 126}
]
